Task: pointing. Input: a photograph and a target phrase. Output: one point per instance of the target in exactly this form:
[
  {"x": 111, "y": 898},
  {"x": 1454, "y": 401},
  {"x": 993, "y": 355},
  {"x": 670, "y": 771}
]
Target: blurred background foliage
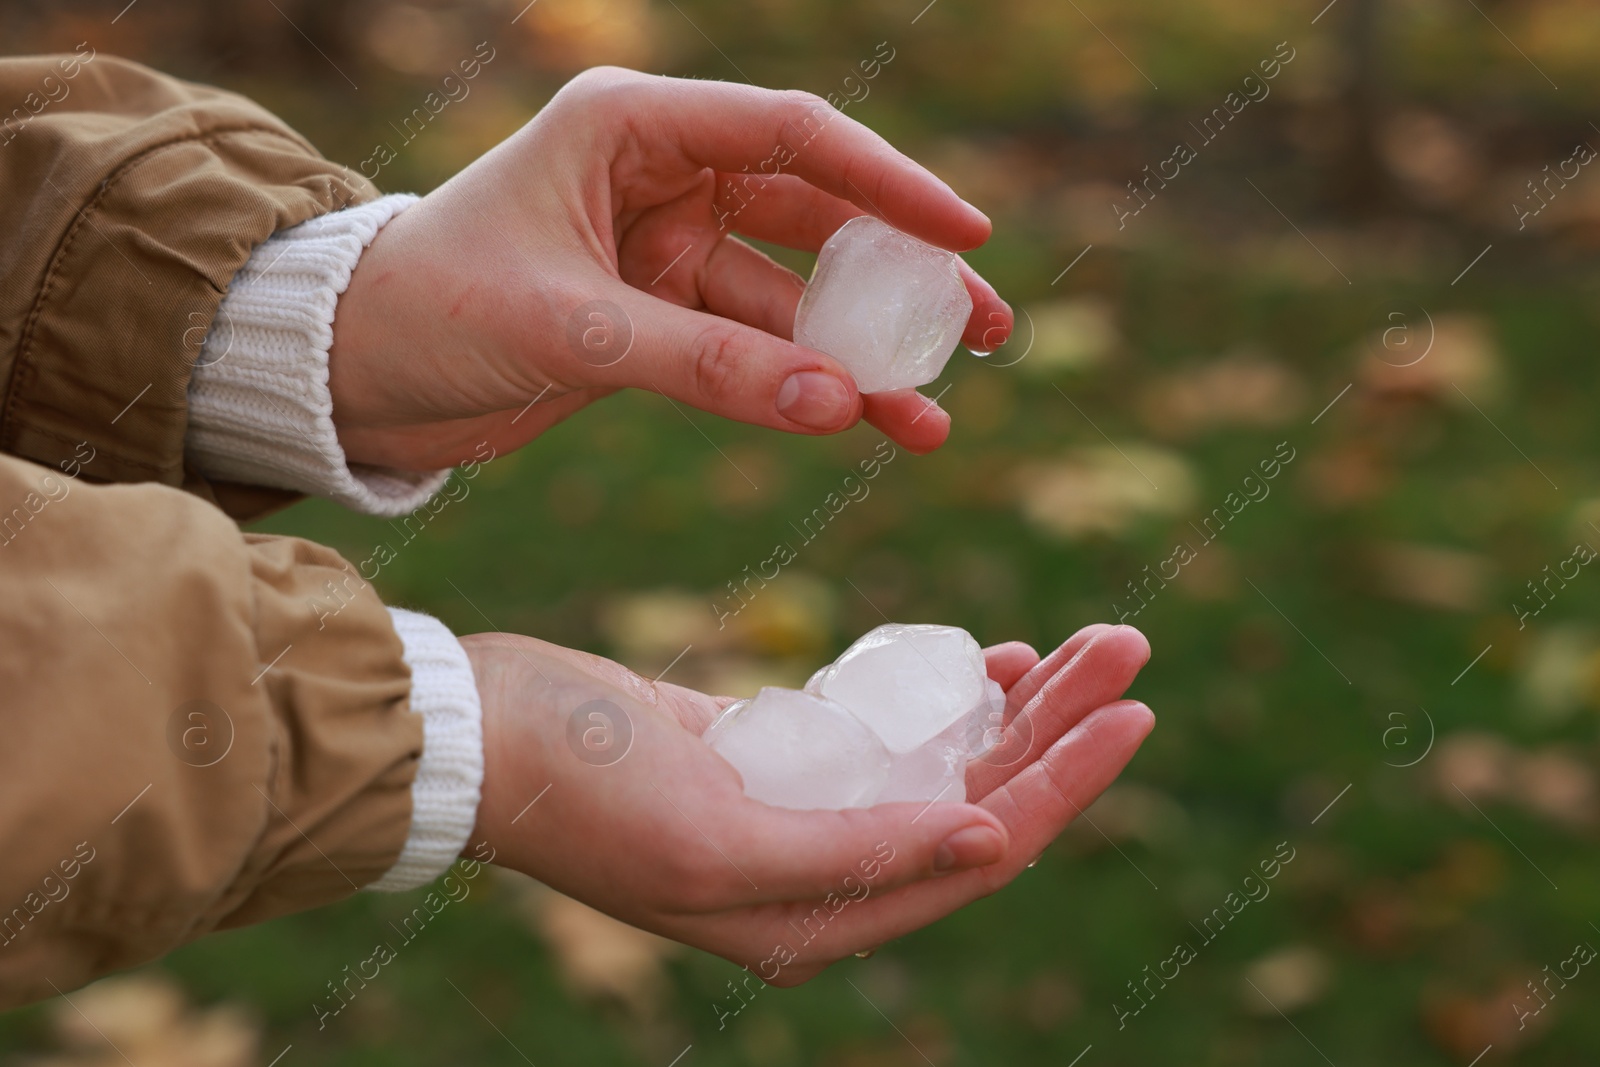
[{"x": 1326, "y": 639}]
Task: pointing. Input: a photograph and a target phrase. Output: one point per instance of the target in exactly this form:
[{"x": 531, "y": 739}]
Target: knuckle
[
  {"x": 599, "y": 78},
  {"x": 719, "y": 364},
  {"x": 802, "y": 102},
  {"x": 800, "y": 111},
  {"x": 597, "y": 85}
]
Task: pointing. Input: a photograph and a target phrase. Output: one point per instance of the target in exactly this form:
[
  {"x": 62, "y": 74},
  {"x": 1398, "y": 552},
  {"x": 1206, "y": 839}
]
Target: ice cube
[
  {"x": 909, "y": 683},
  {"x": 935, "y": 771},
  {"x": 886, "y": 305},
  {"x": 798, "y": 750},
  {"x": 986, "y": 726}
]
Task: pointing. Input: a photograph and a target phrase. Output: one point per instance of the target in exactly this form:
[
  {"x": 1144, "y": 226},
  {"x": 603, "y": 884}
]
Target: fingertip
[
  {"x": 1134, "y": 716},
  {"x": 1121, "y": 648},
  {"x": 1136, "y": 637},
  {"x": 1012, "y": 652},
  {"x": 978, "y": 228},
  {"x": 985, "y": 223},
  {"x": 1006, "y": 663},
  {"x": 992, "y": 321},
  {"x": 1146, "y": 716},
  {"x": 935, "y": 214},
  {"x": 915, "y": 422},
  {"x": 929, "y": 437},
  {"x": 1001, "y": 315}
]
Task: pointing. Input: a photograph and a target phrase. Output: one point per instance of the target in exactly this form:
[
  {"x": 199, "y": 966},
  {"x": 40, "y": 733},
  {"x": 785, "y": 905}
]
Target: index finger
[
  {"x": 731, "y": 128},
  {"x": 788, "y": 211}
]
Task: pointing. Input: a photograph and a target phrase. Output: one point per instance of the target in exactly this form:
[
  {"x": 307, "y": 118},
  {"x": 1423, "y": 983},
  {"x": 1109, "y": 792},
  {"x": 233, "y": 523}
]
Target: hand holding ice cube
[
  {"x": 595, "y": 250},
  {"x": 664, "y": 837}
]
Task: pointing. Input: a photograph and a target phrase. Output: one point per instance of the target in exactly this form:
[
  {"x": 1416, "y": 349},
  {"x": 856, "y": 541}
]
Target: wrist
[
  {"x": 356, "y": 377},
  {"x": 487, "y": 653},
  {"x": 400, "y": 356},
  {"x": 260, "y": 404}
]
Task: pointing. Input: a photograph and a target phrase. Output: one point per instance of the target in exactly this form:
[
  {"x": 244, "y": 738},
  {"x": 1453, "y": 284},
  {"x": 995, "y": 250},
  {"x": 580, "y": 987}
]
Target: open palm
[{"x": 654, "y": 828}]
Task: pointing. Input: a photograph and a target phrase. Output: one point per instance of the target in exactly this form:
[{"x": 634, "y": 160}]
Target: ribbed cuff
[
  {"x": 260, "y": 411},
  {"x": 444, "y": 795}
]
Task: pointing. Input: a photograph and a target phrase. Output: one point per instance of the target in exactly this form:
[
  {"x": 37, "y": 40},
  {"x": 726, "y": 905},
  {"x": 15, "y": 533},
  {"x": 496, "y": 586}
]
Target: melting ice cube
[
  {"x": 935, "y": 771},
  {"x": 886, "y": 305},
  {"x": 986, "y": 726},
  {"x": 909, "y": 683},
  {"x": 799, "y": 750},
  {"x": 896, "y": 718}
]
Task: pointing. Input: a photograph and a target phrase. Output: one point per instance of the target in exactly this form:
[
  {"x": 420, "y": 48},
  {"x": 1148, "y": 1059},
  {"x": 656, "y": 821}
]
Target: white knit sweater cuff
[
  {"x": 259, "y": 407},
  {"x": 444, "y": 795}
]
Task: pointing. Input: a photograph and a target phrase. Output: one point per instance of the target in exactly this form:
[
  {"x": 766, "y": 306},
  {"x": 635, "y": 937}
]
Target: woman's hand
[
  {"x": 596, "y": 783},
  {"x": 593, "y": 250}
]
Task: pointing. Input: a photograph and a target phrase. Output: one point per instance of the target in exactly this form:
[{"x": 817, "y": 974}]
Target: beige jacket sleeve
[
  {"x": 189, "y": 742},
  {"x": 129, "y": 200}
]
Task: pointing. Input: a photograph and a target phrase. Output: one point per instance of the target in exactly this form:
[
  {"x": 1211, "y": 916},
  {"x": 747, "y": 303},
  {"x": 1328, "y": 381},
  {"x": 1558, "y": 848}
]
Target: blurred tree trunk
[
  {"x": 307, "y": 35},
  {"x": 222, "y": 38},
  {"x": 1361, "y": 185}
]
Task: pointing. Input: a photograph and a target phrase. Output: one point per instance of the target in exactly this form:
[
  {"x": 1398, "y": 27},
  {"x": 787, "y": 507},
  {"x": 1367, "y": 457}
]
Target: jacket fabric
[{"x": 190, "y": 743}]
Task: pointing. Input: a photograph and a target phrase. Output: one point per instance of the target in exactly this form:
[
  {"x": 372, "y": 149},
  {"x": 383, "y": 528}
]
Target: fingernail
[
  {"x": 811, "y": 398},
  {"x": 975, "y": 846}
]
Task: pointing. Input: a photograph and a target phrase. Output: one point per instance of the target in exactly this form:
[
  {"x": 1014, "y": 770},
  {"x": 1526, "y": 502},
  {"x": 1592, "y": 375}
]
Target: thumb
[
  {"x": 727, "y": 368},
  {"x": 807, "y": 855}
]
